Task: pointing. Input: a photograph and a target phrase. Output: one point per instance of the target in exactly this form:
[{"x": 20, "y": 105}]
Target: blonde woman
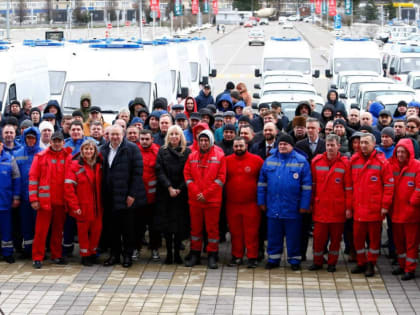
[
  {"x": 83, "y": 196},
  {"x": 172, "y": 214}
]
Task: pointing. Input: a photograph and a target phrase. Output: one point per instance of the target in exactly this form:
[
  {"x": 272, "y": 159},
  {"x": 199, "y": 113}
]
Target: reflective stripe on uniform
[
  {"x": 273, "y": 163},
  {"x": 20, "y": 158},
  {"x": 417, "y": 189},
  {"x": 195, "y": 238},
  {"x": 44, "y": 195},
  {"x": 53, "y": 161},
  {"x": 409, "y": 174},
  {"x": 322, "y": 168},
  {"x": 189, "y": 181},
  {"x": 374, "y": 167},
  {"x": 339, "y": 170},
  {"x": 275, "y": 256},
  {"x": 374, "y": 251},
  {"x": 46, "y": 187},
  {"x": 152, "y": 183},
  {"x": 194, "y": 161},
  {"x": 348, "y": 188},
  {"x": 84, "y": 251},
  {"x": 295, "y": 257},
  {"x": 396, "y": 173},
  {"x": 62, "y": 161},
  {"x": 402, "y": 255},
  {"x": 389, "y": 185},
  {"x": 262, "y": 184},
  {"x": 212, "y": 240},
  {"x": 413, "y": 260},
  {"x": 67, "y": 245},
  {"x": 333, "y": 252},
  {"x": 294, "y": 164},
  {"x": 28, "y": 242},
  {"x": 70, "y": 181},
  {"x": 8, "y": 244},
  {"x": 80, "y": 171},
  {"x": 219, "y": 182},
  {"x": 318, "y": 253},
  {"x": 306, "y": 187},
  {"x": 33, "y": 182},
  {"x": 213, "y": 161},
  {"x": 360, "y": 251},
  {"x": 33, "y": 192},
  {"x": 357, "y": 166}
]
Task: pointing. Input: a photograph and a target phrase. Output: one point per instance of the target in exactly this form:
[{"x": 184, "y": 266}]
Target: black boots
[
  {"x": 212, "y": 260},
  {"x": 370, "y": 270},
  {"x": 193, "y": 260}
]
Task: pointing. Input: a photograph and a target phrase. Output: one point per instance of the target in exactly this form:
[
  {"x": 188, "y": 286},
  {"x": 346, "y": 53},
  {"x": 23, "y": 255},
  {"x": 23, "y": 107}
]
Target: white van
[
  {"x": 201, "y": 64},
  {"x": 287, "y": 54},
  {"x": 372, "y": 91},
  {"x": 404, "y": 61},
  {"x": 353, "y": 54},
  {"x": 22, "y": 75},
  {"x": 114, "y": 74}
]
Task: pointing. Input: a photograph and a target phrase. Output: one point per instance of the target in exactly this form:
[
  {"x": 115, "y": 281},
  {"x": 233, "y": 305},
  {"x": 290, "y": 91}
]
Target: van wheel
[{"x": 249, "y": 44}]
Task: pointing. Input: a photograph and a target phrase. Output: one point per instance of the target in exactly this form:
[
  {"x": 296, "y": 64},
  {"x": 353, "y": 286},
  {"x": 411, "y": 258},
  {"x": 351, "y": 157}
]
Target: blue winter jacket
[
  {"x": 9, "y": 181},
  {"x": 375, "y": 108},
  {"x": 285, "y": 185},
  {"x": 75, "y": 145},
  {"x": 24, "y": 157},
  {"x": 202, "y": 100}
]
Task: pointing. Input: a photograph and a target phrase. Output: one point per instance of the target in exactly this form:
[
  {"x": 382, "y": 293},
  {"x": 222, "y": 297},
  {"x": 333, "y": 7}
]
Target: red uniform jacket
[
  {"x": 373, "y": 186},
  {"x": 406, "y": 206},
  {"x": 83, "y": 189},
  {"x": 242, "y": 173},
  {"x": 46, "y": 178},
  {"x": 149, "y": 173},
  {"x": 205, "y": 173},
  {"x": 331, "y": 189}
]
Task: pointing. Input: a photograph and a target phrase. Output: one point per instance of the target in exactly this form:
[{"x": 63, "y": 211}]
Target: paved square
[{"x": 153, "y": 288}]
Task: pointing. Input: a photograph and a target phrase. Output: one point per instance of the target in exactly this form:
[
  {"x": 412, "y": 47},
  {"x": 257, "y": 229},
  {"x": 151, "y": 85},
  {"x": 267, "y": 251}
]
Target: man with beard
[
  {"x": 242, "y": 170},
  {"x": 229, "y": 133}
]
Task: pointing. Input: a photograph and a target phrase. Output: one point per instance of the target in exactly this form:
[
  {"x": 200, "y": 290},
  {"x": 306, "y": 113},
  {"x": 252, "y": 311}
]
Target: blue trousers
[
  {"x": 70, "y": 230},
  {"x": 28, "y": 219},
  {"x": 6, "y": 232},
  {"x": 278, "y": 229}
]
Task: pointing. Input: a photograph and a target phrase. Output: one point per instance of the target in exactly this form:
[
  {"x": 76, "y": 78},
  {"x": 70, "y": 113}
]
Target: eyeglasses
[
  {"x": 328, "y": 129},
  {"x": 411, "y": 127}
]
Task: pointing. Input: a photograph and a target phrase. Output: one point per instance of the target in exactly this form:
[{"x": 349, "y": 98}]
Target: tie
[{"x": 267, "y": 154}]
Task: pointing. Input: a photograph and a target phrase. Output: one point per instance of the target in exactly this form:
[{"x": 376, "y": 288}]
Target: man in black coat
[
  {"x": 229, "y": 133},
  {"x": 310, "y": 146},
  {"x": 123, "y": 191}
]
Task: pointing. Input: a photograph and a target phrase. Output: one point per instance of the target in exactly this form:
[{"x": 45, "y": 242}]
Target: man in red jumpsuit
[
  {"x": 405, "y": 215},
  {"x": 46, "y": 194},
  {"x": 205, "y": 175},
  {"x": 331, "y": 201},
  {"x": 373, "y": 188},
  {"x": 243, "y": 214}
]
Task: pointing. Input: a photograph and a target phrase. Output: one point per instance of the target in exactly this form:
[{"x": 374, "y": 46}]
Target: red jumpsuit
[
  {"x": 206, "y": 174},
  {"x": 46, "y": 186},
  {"x": 82, "y": 187},
  {"x": 149, "y": 174},
  {"x": 373, "y": 188},
  {"x": 405, "y": 213},
  {"x": 242, "y": 211},
  {"x": 331, "y": 197}
]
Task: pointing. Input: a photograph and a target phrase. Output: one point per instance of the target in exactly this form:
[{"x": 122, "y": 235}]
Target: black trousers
[
  {"x": 145, "y": 221},
  {"x": 122, "y": 232},
  {"x": 306, "y": 228}
]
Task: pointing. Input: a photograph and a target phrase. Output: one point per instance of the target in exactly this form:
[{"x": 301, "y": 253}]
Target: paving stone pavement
[{"x": 153, "y": 288}]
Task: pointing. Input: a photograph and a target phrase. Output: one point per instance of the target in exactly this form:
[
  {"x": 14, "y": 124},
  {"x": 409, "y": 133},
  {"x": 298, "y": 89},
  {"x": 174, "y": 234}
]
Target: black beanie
[{"x": 287, "y": 138}]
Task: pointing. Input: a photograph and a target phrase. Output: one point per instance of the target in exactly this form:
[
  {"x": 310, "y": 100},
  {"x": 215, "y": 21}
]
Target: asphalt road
[{"x": 235, "y": 60}]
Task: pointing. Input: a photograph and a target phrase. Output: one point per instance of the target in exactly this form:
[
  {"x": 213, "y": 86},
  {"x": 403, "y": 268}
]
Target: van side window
[
  {"x": 12, "y": 93},
  {"x": 155, "y": 92}
]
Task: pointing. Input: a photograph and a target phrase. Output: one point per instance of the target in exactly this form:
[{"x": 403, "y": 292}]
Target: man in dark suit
[
  {"x": 123, "y": 192},
  {"x": 311, "y": 146}
]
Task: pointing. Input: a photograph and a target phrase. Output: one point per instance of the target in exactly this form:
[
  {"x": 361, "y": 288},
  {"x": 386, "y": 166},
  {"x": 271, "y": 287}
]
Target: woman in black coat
[{"x": 172, "y": 213}]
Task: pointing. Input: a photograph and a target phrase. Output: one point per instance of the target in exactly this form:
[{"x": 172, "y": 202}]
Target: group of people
[{"x": 207, "y": 166}]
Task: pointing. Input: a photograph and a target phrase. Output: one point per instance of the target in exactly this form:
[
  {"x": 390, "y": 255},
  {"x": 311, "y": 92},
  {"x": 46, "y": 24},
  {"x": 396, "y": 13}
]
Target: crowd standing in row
[{"x": 198, "y": 169}]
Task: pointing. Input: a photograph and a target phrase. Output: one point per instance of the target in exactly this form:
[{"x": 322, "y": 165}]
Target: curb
[{"x": 225, "y": 34}]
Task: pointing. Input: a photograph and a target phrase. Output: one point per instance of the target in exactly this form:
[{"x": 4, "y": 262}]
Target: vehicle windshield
[
  {"x": 354, "y": 88},
  {"x": 110, "y": 95},
  {"x": 357, "y": 64},
  {"x": 371, "y": 96},
  {"x": 409, "y": 64},
  {"x": 416, "y": 83},
  {"x": 57, "y": 80},
  {"x": 2, "y": 90},
  {"x": 345, "y": 78},
  {"x": 289, "y": 108},
  {"x": 173, "y": 78},
  {"x": 194, "y": 71},
  {"x": 290, "y": 64},
  {"x": 288, "y": 92}
]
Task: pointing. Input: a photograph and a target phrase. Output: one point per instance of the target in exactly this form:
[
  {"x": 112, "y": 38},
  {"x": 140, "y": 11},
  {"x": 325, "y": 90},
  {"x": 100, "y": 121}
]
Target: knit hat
[
  {"x": 218, "y": 116},
  {"x": 136, "y": 120},
  {"x": 299, "y": 121},
  {"x": 77, "y": 113},
  {"x": 229, "y": 127},
  {"x": 212, "y": 107},
  {"x": 45, "y": 125},
  {"x": 402, "y": 103},
  {"x": 195, "y": 116},
  {"x": 414, "y": 104},
  {"x": 263, "y": 105},
  {"x": 388, "y": 131},
  {"x": 340, "y": 122},
  {"x": 48, "y": 116},
  {"x": 366, "y": 128},
  {"x": 208, "y": 134},
  {"x": 181, "y": 116},
  {"x": 230, "y": 85},
  {"x": 286, "y": 138},
  {"x": 26, "y": 124},
  {"x": 244, "y": 118}
]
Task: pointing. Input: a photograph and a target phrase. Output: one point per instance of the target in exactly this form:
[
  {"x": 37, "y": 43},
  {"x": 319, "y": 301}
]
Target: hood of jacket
[
  {"x": 186, "y": 112},
  {"x": 407, "y": 144},
  {"x": 36, "y": 147},
  {"x": 201, "y": 125},
  {"x": 54, "y": 103},
  {"x": 209, "y": 134},
  {"x": 299, "y": 107},
  {"x": 375, "y": 108},
  {"x": 224, "y": 97},
  {"x": 336, "y": 96}
]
